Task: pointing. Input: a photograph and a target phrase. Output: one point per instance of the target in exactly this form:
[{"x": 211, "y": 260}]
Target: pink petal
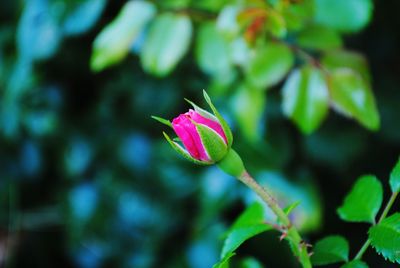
[
  {"x": 187, "y": 132},
  {"x": 216, "y": 126}
]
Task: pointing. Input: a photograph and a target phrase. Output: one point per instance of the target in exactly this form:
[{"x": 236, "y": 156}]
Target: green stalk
[
  {"x": 382, "y": 217},
  {"x": 232, "y": 164},
  {"x": 298, "y": 246}
]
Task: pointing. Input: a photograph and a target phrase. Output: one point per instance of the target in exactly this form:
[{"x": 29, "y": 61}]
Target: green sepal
[
  {"x": 221, "y": 120},
  {"x": 162, "y": 120},
  {"x": 202, "y": 112},
  {"x": 183, "y": 152},
  {"x": 213, "y": 143},
  {"x": 232, "y": 164}
]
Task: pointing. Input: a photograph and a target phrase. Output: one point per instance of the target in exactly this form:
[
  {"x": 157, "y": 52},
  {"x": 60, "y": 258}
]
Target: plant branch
[
  {"x": 298, "y": 246},
  {"x": 381, "y": 218}
]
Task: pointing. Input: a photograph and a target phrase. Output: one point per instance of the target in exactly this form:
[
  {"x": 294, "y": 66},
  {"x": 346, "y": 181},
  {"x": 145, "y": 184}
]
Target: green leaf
[
  {"x": 253, "y": 102},
  {"x": 115, "y": 40},
  {"x": 319, "y": 38},
  {"x": 254, "y": 214},
  {"x": 355, "y": 264},
  {"x": 224, "y": 263},
  {"x": 249, "y": 224},
  {"x": 331, "y": 249},
  {"x": 167, "y": 42},
  {"x": 385, "y": 237},
  {"x": 352, "y": 96},
  {"x": 269, "y": 65},
  {"x": 395, "y": 178},
  {"x": 343, "y": 15},
  {"x": 363, "y": 202},
  {"x": 212, "y": 51},
  {"x": 305, "y": 98},
  {"x": 335, "y": 59},
  {"x": 276, "y": 24},
  {"x": 289, "y": 208}
]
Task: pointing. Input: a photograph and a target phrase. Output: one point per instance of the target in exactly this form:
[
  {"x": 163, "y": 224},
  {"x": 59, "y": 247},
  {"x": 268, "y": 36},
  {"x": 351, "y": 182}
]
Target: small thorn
[
  {"x": 310, "y": 254},
  {"x": 283, "y": 236}
]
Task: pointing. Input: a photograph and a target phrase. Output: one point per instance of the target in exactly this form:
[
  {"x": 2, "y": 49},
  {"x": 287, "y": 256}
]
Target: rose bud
[{"x": 206, "y": 138}]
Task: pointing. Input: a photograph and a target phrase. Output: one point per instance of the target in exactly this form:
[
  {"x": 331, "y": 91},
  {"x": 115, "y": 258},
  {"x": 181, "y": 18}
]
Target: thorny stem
[
  {"x": 382, "y": 217},
  {"x": 298, "y": 246}
]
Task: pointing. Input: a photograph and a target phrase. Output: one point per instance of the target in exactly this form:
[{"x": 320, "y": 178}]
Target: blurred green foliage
[{"x": 86, "y": 179}]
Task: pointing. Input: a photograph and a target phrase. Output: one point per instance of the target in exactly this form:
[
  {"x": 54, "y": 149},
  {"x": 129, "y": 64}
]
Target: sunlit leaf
[
  {"x": 343, "y": 15},
  {"x": 269, "y": 65},
  {"x": 114, "y": 41},
  {"x": 167, "y": 42},
  {"x": 395, "y": 178},
  {"x": 249, "y": 224},
  {"x": 305, "y": 98},
  {"x": 335, "y": 59},
  {"x": 331, "y": 249},
  {"x": 212, "y": 51},
  {"x": 320, "y": 38},
  {"x": 352, "y": 96},
  {"x": 363, "y": 202},
  {"x": 251, "y": 100},
  {"x": 385, "y": 238}
]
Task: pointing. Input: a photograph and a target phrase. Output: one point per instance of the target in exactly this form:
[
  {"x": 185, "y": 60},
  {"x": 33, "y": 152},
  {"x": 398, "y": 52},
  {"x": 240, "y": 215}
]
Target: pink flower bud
[
  {"x": 184, "y": 126},
  {"x": 205, "y": 138}
]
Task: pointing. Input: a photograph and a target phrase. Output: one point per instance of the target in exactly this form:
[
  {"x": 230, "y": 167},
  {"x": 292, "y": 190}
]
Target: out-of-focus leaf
[
  {"x": 212, "y": 51},
  {"x": 306, "y": 216},
  {"x": 249, "y": 224},
  {"x": 269, "y": 64},
  {"x": 385, "y": 238},
  {"x": 167, "y": 42},
  {"x": 320, "y": 38},
  {"x": 276, "y": 24},
  {"x": 355, "y": 264},
  {"x": 174, "y": 4},
  {"x": 240, "y": 52},
  {"x": 298, "y": 15},
  {"x": 250, "y": 263},
  {"x": 38, "y": 34},
  {"x": 353, "y": 97},
  {"x": 305, "y": 98},
  {"x": 83, "y": 17},
  {"x": 395, "y": 178},
  {"x": 227, "y": 22},
  {"x": 331, "y": 249},
  {"x": 251, "y": 100},
  {"x": 343, "y": 15},
  {"x": 77, "y": 157},
  {"x": 363, "y": 202},
  {"x": 335, "y": 59},
  {"x": 114, "y": 41}
]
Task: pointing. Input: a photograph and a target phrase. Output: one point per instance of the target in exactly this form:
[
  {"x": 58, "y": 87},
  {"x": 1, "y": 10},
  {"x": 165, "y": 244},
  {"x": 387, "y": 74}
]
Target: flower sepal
[{"x": 179, "y": 149}]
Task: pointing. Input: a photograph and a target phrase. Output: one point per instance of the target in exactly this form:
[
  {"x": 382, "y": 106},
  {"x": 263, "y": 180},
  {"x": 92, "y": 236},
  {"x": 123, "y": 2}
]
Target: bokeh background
[{"x": 87, "y": 180}]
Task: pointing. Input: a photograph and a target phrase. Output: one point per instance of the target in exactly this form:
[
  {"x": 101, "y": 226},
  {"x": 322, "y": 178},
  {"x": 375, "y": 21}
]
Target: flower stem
[
  {"x": 298, "y": 246},
  {"x": 382, "y": 217}
]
